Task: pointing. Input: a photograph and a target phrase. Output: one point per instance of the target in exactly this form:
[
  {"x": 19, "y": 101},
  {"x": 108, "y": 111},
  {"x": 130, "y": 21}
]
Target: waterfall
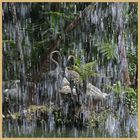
[{"x": 39, "y": 38}]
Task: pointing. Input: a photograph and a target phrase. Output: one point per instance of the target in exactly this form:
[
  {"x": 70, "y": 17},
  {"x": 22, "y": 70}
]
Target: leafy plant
[
  {"x": 130, "y": 95},
  {"x": 86, "y": 70},
  {"x": 131, "y": 99},
  {"x": 10, "y": 42},
  {"x": 132, "y": 61},
  {"x": 60, "y": 14},
  {"x": 116, "y": 88},
  {"x": 109, "y": 51}
]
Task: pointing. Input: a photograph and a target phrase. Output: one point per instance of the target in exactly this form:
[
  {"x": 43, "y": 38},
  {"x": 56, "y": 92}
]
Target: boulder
[
  {"x": 66, "y": 90},
  {"x": 65, "y": 82},
  {"x": 95, "y": 93}
]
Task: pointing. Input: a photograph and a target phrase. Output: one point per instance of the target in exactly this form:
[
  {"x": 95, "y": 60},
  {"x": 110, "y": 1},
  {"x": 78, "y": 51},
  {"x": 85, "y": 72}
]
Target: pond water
[{"x": 111, "y": 127}]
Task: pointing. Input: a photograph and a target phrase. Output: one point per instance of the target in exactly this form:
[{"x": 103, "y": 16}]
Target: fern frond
[
  {"x": 108, "y": 51},
  {"x": 86, "y": 70}
]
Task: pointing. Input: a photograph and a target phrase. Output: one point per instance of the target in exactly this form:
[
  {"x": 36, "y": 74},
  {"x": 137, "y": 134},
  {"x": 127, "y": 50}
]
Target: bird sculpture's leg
[
  {"x": 78, "y": 93},
  {"x": 71, "y": 86},
  {"x": 84, "y": 86}
]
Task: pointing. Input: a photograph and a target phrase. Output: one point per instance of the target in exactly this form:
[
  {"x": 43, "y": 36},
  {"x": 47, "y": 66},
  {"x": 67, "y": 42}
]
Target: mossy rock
[
  {"x": 41, "y": 110},
  {"x": 15, "y": 116},
  {"x": 98, "y": 117},
  {"x": 34, "y": 108}
]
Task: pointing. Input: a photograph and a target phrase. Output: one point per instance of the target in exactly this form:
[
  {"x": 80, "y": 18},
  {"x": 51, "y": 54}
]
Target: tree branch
[{"x": 58, "y": 40}]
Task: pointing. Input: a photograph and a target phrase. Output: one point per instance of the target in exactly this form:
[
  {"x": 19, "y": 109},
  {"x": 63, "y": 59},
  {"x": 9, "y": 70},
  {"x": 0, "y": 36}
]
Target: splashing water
[{"x": 75, "y": 113}]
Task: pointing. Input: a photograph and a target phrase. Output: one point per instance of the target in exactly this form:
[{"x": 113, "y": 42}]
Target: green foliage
[
  {"x": 109, "y": 51},
  {"x": 86, "y": 70},
  {"x": 130, "y": 95},
  {"x": 10, "y": 42},
  {"x": 116, "y": 88},
  {"x": 132, "y": 71},
  {"x": 32, "y": 109},
  {"x": 131, "y": 99},
  {"x": 132, "y": 61},
  {"x": 100, "y": 117},
  {"x": 60, "y": 14}
]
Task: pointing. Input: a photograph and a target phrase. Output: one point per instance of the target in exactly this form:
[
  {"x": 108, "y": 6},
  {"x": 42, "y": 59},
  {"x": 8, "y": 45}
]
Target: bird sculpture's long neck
[
  {"x": 71, "y": 57},
  {"x": 54, "y": 61}
]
